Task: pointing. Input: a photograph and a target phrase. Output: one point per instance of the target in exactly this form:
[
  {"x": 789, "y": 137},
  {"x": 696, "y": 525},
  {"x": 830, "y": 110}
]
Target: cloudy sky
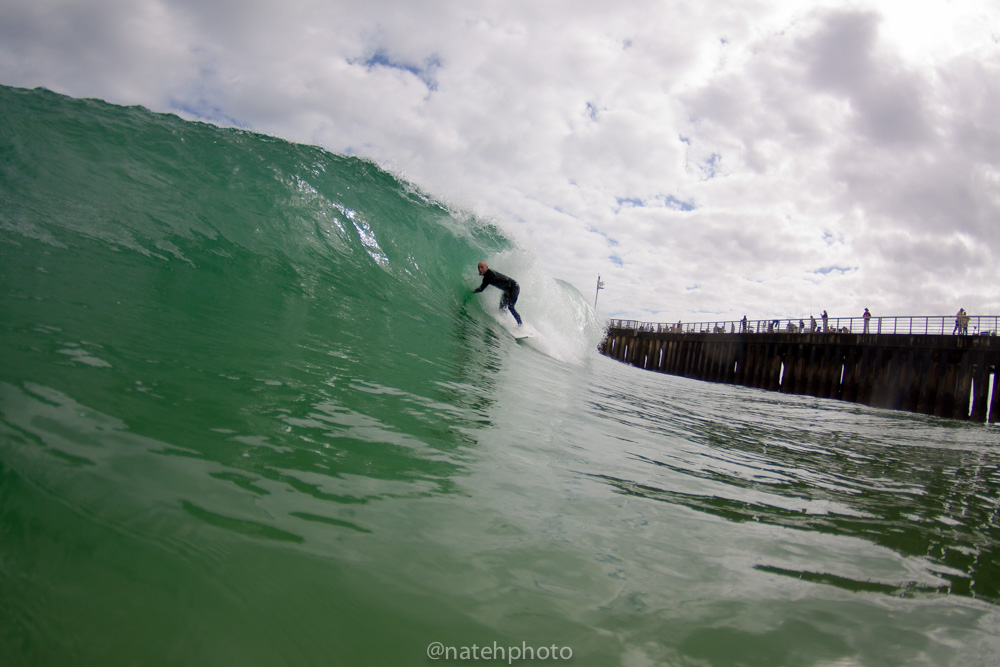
[{"x": 708, "y": 159}]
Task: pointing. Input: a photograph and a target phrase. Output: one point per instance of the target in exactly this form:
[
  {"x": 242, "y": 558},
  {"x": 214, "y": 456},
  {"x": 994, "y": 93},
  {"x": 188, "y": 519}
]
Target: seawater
[{"x": 251, "y": 413}]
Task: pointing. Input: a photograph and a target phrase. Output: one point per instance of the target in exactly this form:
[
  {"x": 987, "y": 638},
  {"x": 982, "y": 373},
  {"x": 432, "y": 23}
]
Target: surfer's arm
[{"x": 486, "y": 283}]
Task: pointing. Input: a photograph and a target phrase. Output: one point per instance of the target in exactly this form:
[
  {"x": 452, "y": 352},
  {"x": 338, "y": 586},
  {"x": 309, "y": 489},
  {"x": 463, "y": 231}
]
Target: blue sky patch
[
  {"x": 629, "y": 202},
  {"x": 710, "y": 167},
  {"x": 830, "y": 269},
  {"x": 830, "y": 239},
  {"x": 202, "y": 110},
  {"x": 676, "y": 204},
  {"x": 425, "y": 72},
  {"x": 659, "y": 201},
  {"x": 611, "y": 242}
]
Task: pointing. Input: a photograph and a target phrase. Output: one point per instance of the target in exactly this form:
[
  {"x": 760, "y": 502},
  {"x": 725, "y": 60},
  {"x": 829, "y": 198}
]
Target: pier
[{"x": 916, "y": 364}]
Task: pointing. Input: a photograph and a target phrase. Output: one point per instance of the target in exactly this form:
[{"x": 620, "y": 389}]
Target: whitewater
[{"x": 252, "y": 413}]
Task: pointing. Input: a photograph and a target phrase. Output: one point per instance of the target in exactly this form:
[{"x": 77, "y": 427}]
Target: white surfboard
[{"x": 520, "y": 333}]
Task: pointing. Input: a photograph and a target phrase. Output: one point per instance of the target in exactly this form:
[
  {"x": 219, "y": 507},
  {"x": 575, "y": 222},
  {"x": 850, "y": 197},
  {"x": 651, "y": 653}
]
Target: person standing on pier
[
  {"x": 868, "y": 317},
  {"x": 824, "y": 318},
  {"x": 959, "y": 320}
]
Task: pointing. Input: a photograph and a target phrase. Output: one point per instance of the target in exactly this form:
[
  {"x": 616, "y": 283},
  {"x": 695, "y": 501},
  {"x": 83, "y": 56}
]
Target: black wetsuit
[{"x": 510, "y": 289}]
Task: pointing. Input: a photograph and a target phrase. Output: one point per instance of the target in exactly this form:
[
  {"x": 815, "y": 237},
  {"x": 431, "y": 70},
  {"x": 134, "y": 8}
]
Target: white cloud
[{"x": 705, "y": 158}]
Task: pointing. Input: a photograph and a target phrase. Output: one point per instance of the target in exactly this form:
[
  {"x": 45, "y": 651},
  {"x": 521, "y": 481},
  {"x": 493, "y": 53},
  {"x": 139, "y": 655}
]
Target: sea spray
[{"x": 561, "y": 322}]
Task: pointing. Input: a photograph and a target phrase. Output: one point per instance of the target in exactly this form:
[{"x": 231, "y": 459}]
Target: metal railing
[{"x": 971, "y": 325}]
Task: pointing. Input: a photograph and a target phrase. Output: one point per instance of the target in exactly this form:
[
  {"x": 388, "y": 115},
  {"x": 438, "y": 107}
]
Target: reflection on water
[
  {"x": 332, "y": 455},
  {"x": 921, "y": 487}
]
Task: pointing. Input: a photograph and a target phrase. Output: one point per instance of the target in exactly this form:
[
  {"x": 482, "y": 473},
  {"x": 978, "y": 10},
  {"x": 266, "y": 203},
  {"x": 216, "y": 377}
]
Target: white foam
[{"x": 562, "y": 323}]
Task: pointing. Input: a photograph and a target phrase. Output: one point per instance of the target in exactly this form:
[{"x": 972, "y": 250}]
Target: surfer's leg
[{"x": 509, "y": 299}]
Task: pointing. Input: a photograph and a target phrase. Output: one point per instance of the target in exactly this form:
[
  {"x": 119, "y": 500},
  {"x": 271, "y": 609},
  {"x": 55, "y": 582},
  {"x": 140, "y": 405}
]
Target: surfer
[{"x": 509, "y": 286}]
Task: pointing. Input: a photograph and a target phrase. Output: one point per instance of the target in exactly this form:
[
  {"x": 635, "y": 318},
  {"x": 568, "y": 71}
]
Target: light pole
[{"x": 600, "y": 286}]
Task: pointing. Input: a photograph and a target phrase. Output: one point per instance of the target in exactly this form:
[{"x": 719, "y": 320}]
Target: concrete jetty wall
[{"x": 945, "y": 376}]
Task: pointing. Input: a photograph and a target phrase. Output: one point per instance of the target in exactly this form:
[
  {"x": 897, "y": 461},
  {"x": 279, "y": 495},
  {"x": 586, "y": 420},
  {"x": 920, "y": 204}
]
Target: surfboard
[{"x": 519, "y": 333}]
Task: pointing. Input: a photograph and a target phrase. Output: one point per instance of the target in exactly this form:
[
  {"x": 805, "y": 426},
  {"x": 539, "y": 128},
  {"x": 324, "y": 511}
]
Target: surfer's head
[{"x": 483, "y": 268}]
